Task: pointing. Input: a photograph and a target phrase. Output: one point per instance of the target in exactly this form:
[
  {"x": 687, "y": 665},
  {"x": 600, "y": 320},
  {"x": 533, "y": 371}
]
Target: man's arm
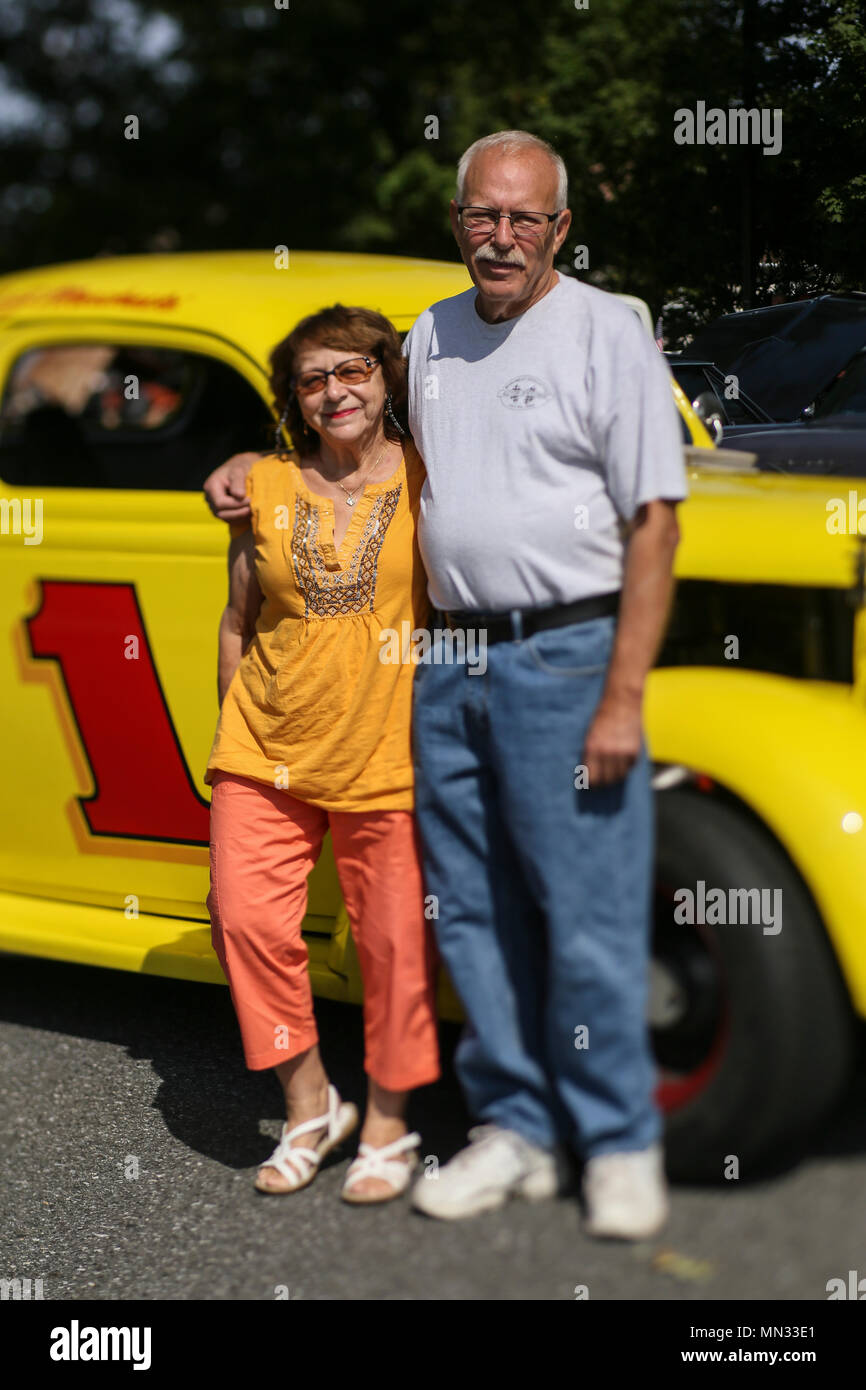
[
  {"x": 614, "y": 738},
  {"x": 238, "y": 622},
  {"x": 225, "y": 488}
]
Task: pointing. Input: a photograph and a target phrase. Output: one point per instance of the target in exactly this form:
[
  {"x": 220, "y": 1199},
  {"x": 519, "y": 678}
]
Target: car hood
[
  {"x": 784, "y": 355},
  {"x": 763, "y": 528},
  {"x": 836, "y": 445}
]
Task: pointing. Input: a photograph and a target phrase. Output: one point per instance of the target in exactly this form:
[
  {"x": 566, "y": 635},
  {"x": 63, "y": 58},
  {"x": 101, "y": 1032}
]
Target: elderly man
[
  {"x": 544, "y": 415},
  {"x": 543, "y": 412}
]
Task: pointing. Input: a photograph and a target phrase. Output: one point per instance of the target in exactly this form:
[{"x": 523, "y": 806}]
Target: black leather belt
[{"x": 522, "y": 622}]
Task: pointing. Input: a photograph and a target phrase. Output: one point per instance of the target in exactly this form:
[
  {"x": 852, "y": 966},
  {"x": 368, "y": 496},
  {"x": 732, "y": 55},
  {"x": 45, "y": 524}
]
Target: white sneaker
[
  {"x": 626, "y": 1194},
  {"x": 498, "y": 1164}
]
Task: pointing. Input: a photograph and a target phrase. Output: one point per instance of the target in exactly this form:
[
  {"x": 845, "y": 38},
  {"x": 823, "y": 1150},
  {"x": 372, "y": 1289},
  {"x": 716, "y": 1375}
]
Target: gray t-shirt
[{"x": 540, "y": 436}]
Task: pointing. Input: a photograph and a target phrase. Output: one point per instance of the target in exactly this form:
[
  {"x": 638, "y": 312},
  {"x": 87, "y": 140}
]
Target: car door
[{"x": 112, "y": 580}]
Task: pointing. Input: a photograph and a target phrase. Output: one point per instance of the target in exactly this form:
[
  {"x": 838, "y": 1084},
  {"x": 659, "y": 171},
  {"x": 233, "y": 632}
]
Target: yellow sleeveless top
[{"x": 313, "y": 707}]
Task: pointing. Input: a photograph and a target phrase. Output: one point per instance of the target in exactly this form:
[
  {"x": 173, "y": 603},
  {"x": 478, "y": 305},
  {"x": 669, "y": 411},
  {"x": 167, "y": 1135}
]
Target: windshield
[{"x": 847, "y": 395}]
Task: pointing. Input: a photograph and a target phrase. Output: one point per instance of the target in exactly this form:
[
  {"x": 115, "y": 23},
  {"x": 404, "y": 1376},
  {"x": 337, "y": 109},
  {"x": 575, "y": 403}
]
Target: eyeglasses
[
  {"x": 486, "y": 220},
  {"x": 351, "y": 373}
]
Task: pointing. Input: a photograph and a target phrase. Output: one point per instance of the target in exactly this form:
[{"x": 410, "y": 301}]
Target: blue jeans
[{"x": 543, "y": 891}]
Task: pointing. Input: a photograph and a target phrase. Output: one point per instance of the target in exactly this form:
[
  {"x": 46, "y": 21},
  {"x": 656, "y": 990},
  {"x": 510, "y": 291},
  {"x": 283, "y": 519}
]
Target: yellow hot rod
[{"x": 122, "y": 384}]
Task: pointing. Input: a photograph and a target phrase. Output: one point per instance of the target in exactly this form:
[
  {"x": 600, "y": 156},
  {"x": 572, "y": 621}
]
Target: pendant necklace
[{"x": 350, "y": 496}]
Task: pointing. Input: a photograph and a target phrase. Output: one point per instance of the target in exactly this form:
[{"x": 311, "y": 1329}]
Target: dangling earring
[
  {"x": 389, "y": 411},
  {"x": 278, "y": 434}
]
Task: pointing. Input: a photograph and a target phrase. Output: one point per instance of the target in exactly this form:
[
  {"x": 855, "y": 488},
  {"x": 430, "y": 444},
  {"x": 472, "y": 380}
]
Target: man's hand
[
  {"x": 613, "y": 742},
  {"x": 225, "y": 488}
]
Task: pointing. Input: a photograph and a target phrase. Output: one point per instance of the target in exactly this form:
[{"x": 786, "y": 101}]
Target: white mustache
[{"x": 512, "y": 257}]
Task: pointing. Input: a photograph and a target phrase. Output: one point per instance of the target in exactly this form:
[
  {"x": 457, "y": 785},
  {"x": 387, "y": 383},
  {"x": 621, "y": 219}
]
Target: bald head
[{"x": 516, "y": 144}]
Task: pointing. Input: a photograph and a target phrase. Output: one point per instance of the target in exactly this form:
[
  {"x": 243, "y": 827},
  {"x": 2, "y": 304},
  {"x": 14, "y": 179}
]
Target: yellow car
[{"x": 122, "y": 384}]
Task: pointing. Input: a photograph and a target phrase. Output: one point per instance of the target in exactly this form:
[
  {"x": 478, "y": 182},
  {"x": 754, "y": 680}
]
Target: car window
[
  {"x": 697, "y": 380},
  {"x": 736, "y": 408},
  {"x": 110, "y": 416},
  {"x": 691, "y": 379}
]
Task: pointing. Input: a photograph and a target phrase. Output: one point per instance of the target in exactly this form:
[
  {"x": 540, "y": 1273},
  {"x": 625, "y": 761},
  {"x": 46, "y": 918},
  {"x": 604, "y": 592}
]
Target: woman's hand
[{"x": 225, "y": 488}]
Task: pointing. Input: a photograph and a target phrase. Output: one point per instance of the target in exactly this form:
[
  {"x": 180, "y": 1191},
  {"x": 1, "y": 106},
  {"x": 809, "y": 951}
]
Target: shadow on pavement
[
  {"x": 215, "y": 1106},
  {"x": 188, "y": 1031}
]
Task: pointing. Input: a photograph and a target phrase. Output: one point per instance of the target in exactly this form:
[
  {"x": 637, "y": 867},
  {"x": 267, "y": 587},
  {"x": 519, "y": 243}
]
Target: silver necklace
[{"x": 350, "y": 496}]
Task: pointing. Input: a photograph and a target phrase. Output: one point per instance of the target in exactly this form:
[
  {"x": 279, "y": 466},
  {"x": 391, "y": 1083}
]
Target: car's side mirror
[{"x": 707, "y": 408}]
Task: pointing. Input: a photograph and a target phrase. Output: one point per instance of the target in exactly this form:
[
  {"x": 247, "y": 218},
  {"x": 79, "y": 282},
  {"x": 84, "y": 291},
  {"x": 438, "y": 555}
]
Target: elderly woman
[{"x": 314, "y": 735}]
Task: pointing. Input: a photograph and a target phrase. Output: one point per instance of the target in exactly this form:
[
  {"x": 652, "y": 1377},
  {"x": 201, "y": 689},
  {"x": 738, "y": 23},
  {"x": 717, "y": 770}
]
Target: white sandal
[
  {"x": 299, "y": 1165},
  {"x": 381, "y": 1163}
]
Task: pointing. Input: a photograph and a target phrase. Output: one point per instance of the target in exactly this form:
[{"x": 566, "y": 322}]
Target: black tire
[{"x": 765, "y": 1034}]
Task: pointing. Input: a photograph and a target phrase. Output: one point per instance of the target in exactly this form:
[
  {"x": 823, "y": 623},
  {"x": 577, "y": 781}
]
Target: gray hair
[{"x": 508, "y": 140}]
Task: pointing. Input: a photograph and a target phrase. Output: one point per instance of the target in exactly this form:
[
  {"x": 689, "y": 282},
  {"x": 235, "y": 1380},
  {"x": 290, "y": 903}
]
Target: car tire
[{"x": 770, "y": 1014}]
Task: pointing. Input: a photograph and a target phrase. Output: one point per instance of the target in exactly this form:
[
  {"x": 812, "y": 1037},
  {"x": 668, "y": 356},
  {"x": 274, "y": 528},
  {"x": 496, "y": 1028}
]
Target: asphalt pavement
[{"x": 131, "y": 1130}]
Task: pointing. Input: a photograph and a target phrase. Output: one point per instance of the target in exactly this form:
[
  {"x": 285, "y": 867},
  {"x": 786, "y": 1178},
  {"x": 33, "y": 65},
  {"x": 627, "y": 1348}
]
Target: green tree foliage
[{"x": 309, "y": 125}]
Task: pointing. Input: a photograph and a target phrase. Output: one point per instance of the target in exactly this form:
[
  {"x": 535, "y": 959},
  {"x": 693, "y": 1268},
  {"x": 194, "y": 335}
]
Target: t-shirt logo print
[{"x": 523, "y": 392}]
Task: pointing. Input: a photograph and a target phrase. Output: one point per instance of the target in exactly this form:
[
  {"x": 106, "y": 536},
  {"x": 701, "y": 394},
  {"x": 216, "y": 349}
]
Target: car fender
[{"x": 794, "y": 752}]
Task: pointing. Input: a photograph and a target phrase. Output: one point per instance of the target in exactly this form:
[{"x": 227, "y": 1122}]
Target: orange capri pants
[{"x": 263, "y": 846}]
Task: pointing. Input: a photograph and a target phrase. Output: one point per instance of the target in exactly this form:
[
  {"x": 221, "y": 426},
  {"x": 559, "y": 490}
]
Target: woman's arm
[{"x": 238, "y": 622}]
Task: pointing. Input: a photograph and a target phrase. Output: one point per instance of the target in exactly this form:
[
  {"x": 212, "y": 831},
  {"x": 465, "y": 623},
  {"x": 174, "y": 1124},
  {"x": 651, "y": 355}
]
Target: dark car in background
[
  {"x": 784, "y": 356},
  {"x": 829, "y": 438}
]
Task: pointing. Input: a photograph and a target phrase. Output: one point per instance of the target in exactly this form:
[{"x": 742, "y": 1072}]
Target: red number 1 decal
[{"x": 143, "y": 786}]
